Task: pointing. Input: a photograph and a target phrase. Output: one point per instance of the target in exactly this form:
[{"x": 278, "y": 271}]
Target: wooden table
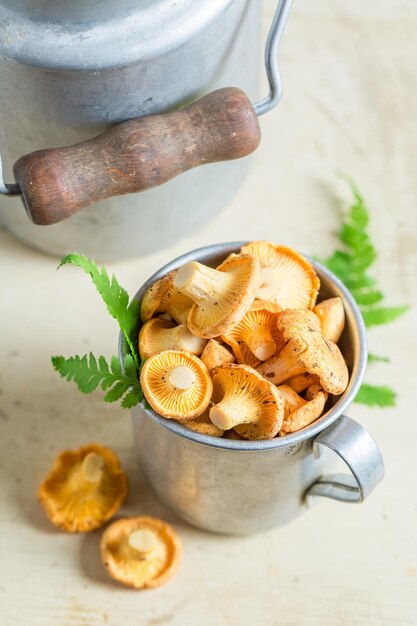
[{"x": 350, "y": 104}]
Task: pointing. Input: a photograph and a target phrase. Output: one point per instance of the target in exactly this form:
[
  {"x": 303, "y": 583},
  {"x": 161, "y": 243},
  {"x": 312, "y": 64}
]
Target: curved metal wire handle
[
  {"x": 271, "y": 58},
  {"x": 7, "y": 189},
  {"x": 261, "y": 107}
]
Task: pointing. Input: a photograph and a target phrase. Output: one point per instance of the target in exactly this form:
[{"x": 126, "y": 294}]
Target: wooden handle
[{"x": 136, "y": 155}]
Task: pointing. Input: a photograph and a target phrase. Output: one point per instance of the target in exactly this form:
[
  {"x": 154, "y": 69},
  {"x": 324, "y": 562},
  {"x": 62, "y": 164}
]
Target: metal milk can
[
  {"x": 69, "y": 71},
  {"x": 242, "y": 487}
]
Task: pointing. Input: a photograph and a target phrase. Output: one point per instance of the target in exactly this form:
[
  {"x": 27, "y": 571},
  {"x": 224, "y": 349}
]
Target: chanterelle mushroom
[
  {"x": 332, "y": 318},
  {"x": 203, "y": 425},
  {"x": 162, "y": 297},
  {"x": 258, "y": 331},
  {"x": 215, "y": 355},
  {"x": 306, "y": 350},
  {"x": 140, "y": 552},
  {"x": 306, "y": 414},
  {"x": 286, "y": 277},
  {"x": 245, "y": 401},
  {"x": 176, "y": 384},
  {"x": 159, "y": 334},
  {"x": 84, "y": 489},
  {"x": 221, "y": 296}
]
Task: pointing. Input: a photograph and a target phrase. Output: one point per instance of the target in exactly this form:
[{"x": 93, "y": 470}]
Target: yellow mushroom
[
  {"x": 305, "y": 415},
  {"x": 84, "y": 489},
  {"x": 176, "y": 384},
  {"x": 203, "y": 425},
  {"x": 245, "y": 401},
  {"x": 300, "y": 382},
  {"x": 140, "y": 552},
  {"x": 258, "y": 331},
  {"x": 215, "y": 355},
  {"x": 162, "y": 297},
  {"x": 221, "y": 296},
  {"x": 159, "y": 334},
  {"x": 306, "y": 350},
  {"x": 332, "y": 318},
  {"x": 292, "y": 400},
  {"x": 286, "y": 277}
]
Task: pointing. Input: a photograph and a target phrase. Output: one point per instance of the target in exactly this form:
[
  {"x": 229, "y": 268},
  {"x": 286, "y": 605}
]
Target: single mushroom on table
[
  {"x": 258, "y": 332},
  {"x": 286, "y": 277},
  {"x": 176, "y": 384},
  {"x": 306, "y": 350},
  {"x": 159, "y": 334},
  {"x": 162, "y": 297},
  {"x": 221, "y": 296},
  {"x": 245, "y": 401},
  {"x": 331, "y": 314},
  {"x": 215, "y": 355},
  {"x": 140, "y": 552},
  {"x": 84, "y": 489}
]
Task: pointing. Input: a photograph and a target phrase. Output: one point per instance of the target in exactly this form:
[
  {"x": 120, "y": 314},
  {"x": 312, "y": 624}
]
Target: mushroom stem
[
  {"x": 201, "y": 283},
  {"x": 92, "y": 468},
  {"x": 143, "y": 541},
  {"x": 182, "y": 377},
  {"x": 283, "y": 366},
  {"x": 261, "y": 343},
  {"x": 227, "y": 414}
]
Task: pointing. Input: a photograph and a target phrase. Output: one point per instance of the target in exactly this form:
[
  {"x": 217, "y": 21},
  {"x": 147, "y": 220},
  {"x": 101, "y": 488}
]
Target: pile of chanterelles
[{"x": 242, "y": 350}]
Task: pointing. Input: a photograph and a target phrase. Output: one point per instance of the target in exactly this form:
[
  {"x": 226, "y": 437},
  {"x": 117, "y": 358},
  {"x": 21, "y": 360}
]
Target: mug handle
[{"x": 360, "y": 453}]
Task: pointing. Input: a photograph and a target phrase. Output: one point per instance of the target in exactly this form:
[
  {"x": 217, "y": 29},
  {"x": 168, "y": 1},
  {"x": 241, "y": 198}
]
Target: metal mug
[
  {"x": 70, "y": 70},
  {"x": 242, "y": 487}
]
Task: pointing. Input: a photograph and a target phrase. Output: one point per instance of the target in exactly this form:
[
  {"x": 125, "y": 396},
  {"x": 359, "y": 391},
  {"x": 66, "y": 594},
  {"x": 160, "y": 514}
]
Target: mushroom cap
[
  {"x": 297, "y": 322},
  {"x": 84, "y": 488},
  {"x": 176, "y": 384},
  {"x": 215, "y": 355},
  {"x": 305, "y": 415},
  {"x": 258, "y": 331},
  {"x": 203, "y": 424},
  {"x": 159, "y": 334},
  {"x": 222, "y": 296},
  {"x": 140, "y": 552},
  {"x": 245, "y": 401},
  {"x": 287, "y": 278},
  {"x": 323, "y": 358},
  {"x": 162, "y": 297},
  {"x": 331, "y": 314}
]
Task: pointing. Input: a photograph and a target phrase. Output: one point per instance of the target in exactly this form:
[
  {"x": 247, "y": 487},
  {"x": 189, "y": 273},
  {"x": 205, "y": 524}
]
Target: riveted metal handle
[{"x": 359, "y": 451}]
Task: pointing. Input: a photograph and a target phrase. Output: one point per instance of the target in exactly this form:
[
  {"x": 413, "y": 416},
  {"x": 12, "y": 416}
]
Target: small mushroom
[
  {"x": 162, "y": 297},
  {"x": 332, "y": 318},
  {"x": 176, "y": 384},
  {"x": 203, "y": 425},
  {"x": 258, "y": 331},
  {"x": 84, "y": 489},
  {"x": 300, "y": 382},
  {"x": 215, "y": 355},
  {"x": 157, "y": 335},
  {"x": 221, "y": 296},
  {"x": 306, "y": 350},
  {"x": 305, "y": 415},
  {"x": 286, "y": 277},
  {"x": 140, "y": 552},
  {"x": 292, "y": 400},
  {"x": 245, "y": 401}
]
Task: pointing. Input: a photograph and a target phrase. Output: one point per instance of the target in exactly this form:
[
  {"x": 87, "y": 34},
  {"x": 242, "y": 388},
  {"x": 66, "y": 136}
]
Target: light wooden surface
[{"x": 350, "y": 104}]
